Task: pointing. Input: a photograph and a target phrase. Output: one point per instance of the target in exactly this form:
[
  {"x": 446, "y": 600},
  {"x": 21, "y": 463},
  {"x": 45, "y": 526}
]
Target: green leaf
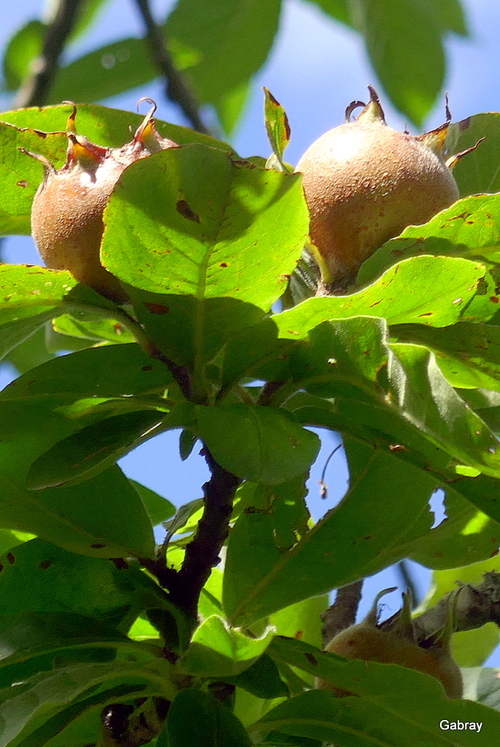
[
  {"x": 115, "y": 372},
  {"x": 159, "y": 508},
  {"x": 47, "y": 702},
  {"x": 467, "y": 354},
  {"x": 40, "y": 577},
  {"x": 465, "y": 536},
  {"x": 92, "y": 449},
  {"x": 261, "y": 679},
  {"x": 423, "y": 290},
  {"x": 452, "y": 16},
  {"x": 221, "y": 47},
  {"x": 211, "y": 227},
  {"x": 469, "y": 229},
  {"x": 106, "y": 329},
  {"x": 403, "y": 39},
  {"x": 195, "y": 717},
  {"x": 353, "y": 540},
  {"x": 29, "y": 296},
  {"x": 10, "y": 539},
  {"x": 316, "y": 714},
  {"x": 105, "y": 72},
  {"x": 277, "y": 128},
  {"x": 276, "y": 448},
  {"x": 477, "y": 171},
  {"x": 29, "y": 641},
  {"x": 77, "y": 517},
  {"x": 338, "y": 9},
  {"x": 346, "y": 359},
  {"x": 216, "y": 650},
  {"x": 404, "y": 704},
  {"x": 21, "y": 50}
]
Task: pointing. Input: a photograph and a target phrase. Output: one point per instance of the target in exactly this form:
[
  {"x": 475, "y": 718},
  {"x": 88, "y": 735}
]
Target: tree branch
[
  {"x": 36, "y": 89},
  {"x": 475, "y": 606},
  {"x": 202, "y": 553},
  {"x": 342, "y": 613},
  {"x": 178, "y": 89}
]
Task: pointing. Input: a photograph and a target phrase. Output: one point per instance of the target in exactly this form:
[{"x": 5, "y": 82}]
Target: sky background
[{"x": 316, "y": 68}]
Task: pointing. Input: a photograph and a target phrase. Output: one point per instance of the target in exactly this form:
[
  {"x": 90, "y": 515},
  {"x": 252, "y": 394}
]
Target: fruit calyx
[{"x": 67, "y": 211}]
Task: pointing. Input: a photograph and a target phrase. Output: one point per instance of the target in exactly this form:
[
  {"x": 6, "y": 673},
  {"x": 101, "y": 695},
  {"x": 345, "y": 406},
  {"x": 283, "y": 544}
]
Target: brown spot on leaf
[
  {"x": 146, "y": 368},
  {"x": 45, "y": 564},
  {"x": 310, "y": 658},
  {"x": 186, "y": 211},
  {"x": 11, "y": 558},
  {"x": 157, "y": 308},
  {"x": 97, "y": 546},
  {"x": 494, "y": 299},
  {"x": 223, "y": 264},
  {"x": 22, "y": 183}
]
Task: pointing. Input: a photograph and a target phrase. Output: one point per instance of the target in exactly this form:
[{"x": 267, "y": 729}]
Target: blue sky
[{"x": 316, "y": 68}]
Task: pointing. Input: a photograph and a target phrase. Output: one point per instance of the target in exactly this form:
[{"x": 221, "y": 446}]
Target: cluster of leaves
[
  {"x": 407, "y": 369},
  {"x": 221, "y": 46}
]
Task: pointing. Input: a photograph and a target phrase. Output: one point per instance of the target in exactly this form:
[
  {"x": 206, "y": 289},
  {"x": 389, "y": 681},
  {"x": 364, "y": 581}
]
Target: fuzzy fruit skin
[
  {"x": 68, "y": 235},
  {"x": 395, "y": 642},
  {"x": 372, "y": 644},
  {"x": 67, "y": 211},
  {"x": 364, "y": 183}
]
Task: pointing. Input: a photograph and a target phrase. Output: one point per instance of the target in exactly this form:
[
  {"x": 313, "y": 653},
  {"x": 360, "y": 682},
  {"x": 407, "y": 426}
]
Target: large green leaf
[
  {"x": 105, "y": 72},
  {"x": 95, "y": 447},
  {"x": 257, "y": 443},
  {"x": 470, "y": 228},
  {"x": 44, "y": 704},
  {"x": 113, "y": 372},
  {"x": 423, "y": 290},
  {"x": 41, "y": 577},
  {"x": 195, "y": 717},
  {"x": 195, "y": 221},
  {"x": 407, "y": 706},
  {"x": 360, "y": 723},
  {"x": 350, "y": 360},
  {"x": 465, "y": 536},
  {"x": 468, "y": 354},
  {"x": 104, "y": 517},
  {"x": 355, "y": 539},
  {"x": 403, "y": 39},
  {"x": 221, "y": 46}
]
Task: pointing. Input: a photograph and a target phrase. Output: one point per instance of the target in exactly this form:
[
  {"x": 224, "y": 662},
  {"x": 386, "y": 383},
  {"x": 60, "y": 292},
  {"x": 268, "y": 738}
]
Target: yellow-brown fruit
[
  {"x": 66, "y": 216},
  {"x": 364, "y": 183},
  {"x": 394, "y": 642}
]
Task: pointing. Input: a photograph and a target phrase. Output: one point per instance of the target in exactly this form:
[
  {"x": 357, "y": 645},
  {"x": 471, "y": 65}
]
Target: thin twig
[
  {"x": 202, "y": 553},
  {"x": 36, "y": 89},
  {"x": 178, "y": 89},
  {"x": 342, "y": 613},
  {"x": 408, "y": 581}
]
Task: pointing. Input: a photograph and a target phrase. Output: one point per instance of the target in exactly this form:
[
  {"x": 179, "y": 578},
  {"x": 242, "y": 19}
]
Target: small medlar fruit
[
  {"x": 394, "y": 642},
  {"x": 66, "y": 216},
  {"x": 364, "y": 183}
]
